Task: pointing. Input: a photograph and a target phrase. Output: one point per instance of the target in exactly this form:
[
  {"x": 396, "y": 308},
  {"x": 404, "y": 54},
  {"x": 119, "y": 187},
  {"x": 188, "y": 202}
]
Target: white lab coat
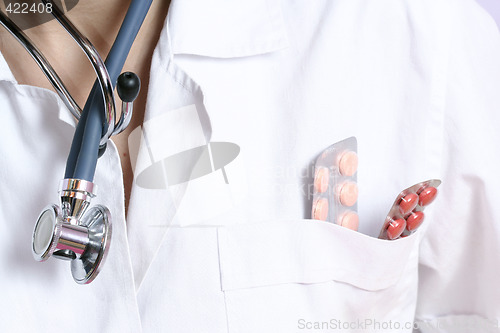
[{"x": 417, "y": 82}]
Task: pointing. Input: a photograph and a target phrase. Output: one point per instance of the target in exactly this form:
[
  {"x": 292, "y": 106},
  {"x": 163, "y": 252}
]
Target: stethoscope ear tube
[
  {"x": 127, "y": 86},
  {"x": 83, "y": 155},
  {"x": 43, "y": 63}
]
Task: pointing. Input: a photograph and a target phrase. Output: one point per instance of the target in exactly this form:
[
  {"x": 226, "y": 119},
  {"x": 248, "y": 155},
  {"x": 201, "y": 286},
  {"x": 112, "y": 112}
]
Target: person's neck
[{"x": 99, "y": 21}]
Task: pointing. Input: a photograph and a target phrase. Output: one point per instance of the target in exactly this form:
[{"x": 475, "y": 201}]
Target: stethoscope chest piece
[
  {"x": 98, "y": 223},
  {"x": 74, "y": 232}
]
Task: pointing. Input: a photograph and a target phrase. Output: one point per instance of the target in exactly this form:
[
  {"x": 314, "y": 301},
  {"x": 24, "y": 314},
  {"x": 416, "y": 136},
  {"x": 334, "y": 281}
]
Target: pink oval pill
[
  {"x": 348, "y": 194},
  {"x": 320, "y": 209},
  {"x": 414, "y": 220},
  {"x": 321, "y": 180},
  {"x": 427, "y": 196},
  {"x": 348, "y": 163},
  {"x": 408, "y": 203},
  {"x": 350, "y": 220},
  {"x": 396, "y": 228}
]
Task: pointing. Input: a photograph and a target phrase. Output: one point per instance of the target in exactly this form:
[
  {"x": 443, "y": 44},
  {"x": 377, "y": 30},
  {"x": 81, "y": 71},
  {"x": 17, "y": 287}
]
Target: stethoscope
[{"x": 73, "y": 231}]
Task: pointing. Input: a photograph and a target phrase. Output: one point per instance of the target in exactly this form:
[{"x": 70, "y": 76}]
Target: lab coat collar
[
  {"x": 5, "y": 73},
  {"x": 36, "y": 92},
  {"x": 226, "y": 29}
]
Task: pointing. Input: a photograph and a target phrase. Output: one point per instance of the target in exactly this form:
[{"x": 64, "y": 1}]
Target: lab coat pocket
[{"x": 307, "y": 275}]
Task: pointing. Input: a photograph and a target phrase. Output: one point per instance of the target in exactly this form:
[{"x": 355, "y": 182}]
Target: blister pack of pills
[
  {"x": 407, "y": 211},
  {"x": 335, "y": 188}
]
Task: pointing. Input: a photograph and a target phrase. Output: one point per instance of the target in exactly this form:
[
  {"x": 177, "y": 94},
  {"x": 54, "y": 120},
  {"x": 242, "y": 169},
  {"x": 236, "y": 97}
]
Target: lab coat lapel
[{"x": 177, "y": 122}]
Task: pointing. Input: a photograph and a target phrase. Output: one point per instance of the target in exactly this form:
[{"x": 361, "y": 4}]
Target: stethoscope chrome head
[
  {"x": 83, "y": 239},
  {"x": 46, "y": 233}
]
